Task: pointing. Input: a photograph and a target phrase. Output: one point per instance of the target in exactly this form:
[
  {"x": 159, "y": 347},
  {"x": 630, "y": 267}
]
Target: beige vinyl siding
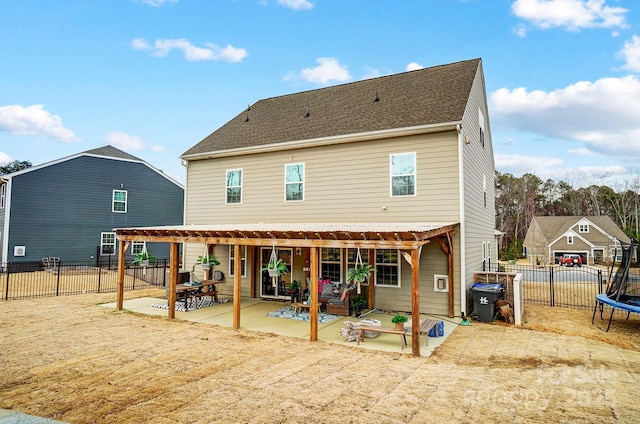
[
  {"x": 479, "y": 221},
  {"x": 432, "y": 261},
  {"x": 343, "y": 183}
]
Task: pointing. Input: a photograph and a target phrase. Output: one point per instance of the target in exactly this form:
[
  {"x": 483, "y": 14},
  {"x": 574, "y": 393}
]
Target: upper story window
[
  {"x": 583, "y": 228},
  {"x": 107, "y": 243},
  {"x": 243, "y": 260},
  {"x": 403, "y": 174},
  {"x": 481, "y": 123},
  {"x": 330, "y": 263},
  {"x": 119, "y": 203},
  {"x": 387, "y": 268},
  {"x": 137, "y": 247},
  {"x": 294, "y": 181},
  {"x": 234, "y": 186},
  {"x": 3, "y": 195},
  {"x": 569, "y": 239}
]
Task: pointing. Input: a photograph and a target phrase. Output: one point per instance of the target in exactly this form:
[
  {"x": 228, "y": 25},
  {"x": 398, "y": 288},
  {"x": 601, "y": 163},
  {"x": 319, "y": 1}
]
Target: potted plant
[
  {"x": 206, "y": 261},
  {"x": 143, "y": 258},
  {"x": 357, "y": 303},
  {"x": 359, "y": 274},
  {"x": 399, "y": 321}
]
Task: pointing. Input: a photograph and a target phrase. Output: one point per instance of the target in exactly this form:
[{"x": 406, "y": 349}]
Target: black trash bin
[{"x": 484, "y": 300}]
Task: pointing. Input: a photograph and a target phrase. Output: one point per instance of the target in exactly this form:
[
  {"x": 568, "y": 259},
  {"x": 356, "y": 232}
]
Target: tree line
[{"x": 519, "y": 199}]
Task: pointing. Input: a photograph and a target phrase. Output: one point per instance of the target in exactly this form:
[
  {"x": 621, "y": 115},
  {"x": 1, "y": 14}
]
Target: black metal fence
[
  {"x": 22, "y": 280},
  {"x": 568, "y": 287}
]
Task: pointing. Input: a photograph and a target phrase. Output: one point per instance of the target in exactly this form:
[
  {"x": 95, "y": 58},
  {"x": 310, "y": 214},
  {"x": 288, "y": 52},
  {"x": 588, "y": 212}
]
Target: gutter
[{"x": 325, "y": 141}]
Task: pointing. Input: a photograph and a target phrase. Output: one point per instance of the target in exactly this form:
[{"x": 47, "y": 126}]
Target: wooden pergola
[{"x": 408, "y": 238}]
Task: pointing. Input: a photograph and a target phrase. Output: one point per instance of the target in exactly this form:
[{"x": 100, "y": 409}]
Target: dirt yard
[{"x": 69, "y": 359}]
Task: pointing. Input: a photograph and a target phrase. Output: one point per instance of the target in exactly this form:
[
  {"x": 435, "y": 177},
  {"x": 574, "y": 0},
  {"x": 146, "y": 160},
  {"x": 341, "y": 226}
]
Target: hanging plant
[
  {"x": 359, "y": 273},
  {"x": 275, "y": 268},
  {"x": 207, "y": 261},
  {"x": 143, "y": 258}
]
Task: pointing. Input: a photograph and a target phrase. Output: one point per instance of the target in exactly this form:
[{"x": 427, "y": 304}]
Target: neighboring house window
[
  {"x": 569, "y": 239},
  {"x": 137, "y": 247},
  {"x": 107, "y": 243},
  {"x": 403, "y": 174},
  {"x": 352, "y": 254},
  {"x": 243, "y": 260},
  {"x": 294, "y": 181},
  {"x": 119, "y": 203},
  {"x": 330, "y": 260},
  {"x": 3, "y": 195},
  {"x": 481, "y": 123},
  {"x": 234, "y": 186},
  {"x": 484, "y": 190},
  {"x": 583, "y": 228},
  {"x": 387, "y": 268}
]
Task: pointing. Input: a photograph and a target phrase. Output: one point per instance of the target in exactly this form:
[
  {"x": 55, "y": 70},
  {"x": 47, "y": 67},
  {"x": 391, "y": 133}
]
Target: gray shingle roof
[
  {"x": 422, "y": 97},
  {"x": 110, "y": 151},
  {"x": 554, "y": 226}
]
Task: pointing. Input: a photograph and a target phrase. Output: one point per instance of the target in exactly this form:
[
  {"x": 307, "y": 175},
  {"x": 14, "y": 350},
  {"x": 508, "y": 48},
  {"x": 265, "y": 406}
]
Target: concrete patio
[{"x": 253, "y": 318}]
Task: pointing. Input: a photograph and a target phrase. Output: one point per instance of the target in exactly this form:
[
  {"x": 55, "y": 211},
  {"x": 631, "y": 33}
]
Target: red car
[{"x": 571, "y": 260}]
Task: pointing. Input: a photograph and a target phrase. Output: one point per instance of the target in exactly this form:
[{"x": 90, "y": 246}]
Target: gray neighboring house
[
  {"x": 369, "y": 163},
  {"x": 68, "y": 208},
  {"x": 592, "y": 237}
]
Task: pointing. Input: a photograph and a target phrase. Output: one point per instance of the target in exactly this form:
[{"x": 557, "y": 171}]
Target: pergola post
[
  {"x": 415, "y": 302},
  {"x": 237, "y": 279},
  {"x": 174, "y": 255},
  {"x": 313, "y": 292}
]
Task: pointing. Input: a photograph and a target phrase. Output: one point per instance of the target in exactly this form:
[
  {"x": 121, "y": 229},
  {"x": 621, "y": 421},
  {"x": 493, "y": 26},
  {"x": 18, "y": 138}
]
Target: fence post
[
  {"x": 99, "y": 264},
  {"x": 6, "y": 294},
  {"x": 599, "y": 281},
  {"x": 551, "y": 292},
  {"x": 58, "y": 279}
]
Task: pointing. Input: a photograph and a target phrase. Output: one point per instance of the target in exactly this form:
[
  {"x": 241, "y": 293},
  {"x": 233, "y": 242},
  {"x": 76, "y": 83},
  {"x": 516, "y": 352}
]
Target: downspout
[
  {"x": 463, "y": 267},
  {"x": 7, "y": 214}
]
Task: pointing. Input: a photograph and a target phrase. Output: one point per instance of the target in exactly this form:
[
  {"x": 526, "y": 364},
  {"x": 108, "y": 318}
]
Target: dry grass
[{"x": 69, "y": 359}]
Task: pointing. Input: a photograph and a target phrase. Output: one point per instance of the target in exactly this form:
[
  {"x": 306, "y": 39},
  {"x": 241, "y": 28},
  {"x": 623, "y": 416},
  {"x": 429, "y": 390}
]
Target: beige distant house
[
  {"x": 398, "y": 168},
  {"x": 592, "y": 237}
]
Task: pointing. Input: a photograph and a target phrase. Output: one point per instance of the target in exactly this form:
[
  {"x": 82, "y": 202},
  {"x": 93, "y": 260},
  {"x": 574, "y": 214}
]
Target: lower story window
[
  {"x": 107, "y": 243},
  {"x": 330, "y": 261},
  {"x": 387, "y": 268},
  {"x": 243, "y": 260},
  {"x": 137, "y": 247}
]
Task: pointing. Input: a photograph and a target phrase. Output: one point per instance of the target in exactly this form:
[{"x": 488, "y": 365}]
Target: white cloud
[
  {"x": 296, "y": 4},
  {"x": 413, "y": 66},
  {"x": 156, "y": 3},
  {"x": 5, "y": 159},
  {"x": 631, "y": 54},
  {"x": 520, "y": 30},
  {"x": 162, "y": 47},
  {"x": 570, "y": 14},
  {"x": 33, "y": 120},
  {"x": 128, "y": 142},
  {"x": 327, "y": 71},
  {"x": 603, "y": 115}
]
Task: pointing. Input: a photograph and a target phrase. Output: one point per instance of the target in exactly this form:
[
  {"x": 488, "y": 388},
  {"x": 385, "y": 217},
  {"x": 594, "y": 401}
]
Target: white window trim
[
  {"x": 583, "y": 228},
  {"x": 226, "y": 197},
  {"x": 286, "y": 183},
  {"x": 339, "y": 262},
  {"x": 138, "y": 247},
  {"x": 114, "y": 202},
  {"x": 102, "y": 243},
  {"x": 414, "y": 174},
  {"x": 3, "y": 195},
  {"x": 569, "y": 239},
  {"x": 399, "y": 266},
  {"x": 243, "y": 261}
]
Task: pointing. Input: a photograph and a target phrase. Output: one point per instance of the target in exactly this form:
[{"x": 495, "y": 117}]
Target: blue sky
[{"x": 154, "y": 77}]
